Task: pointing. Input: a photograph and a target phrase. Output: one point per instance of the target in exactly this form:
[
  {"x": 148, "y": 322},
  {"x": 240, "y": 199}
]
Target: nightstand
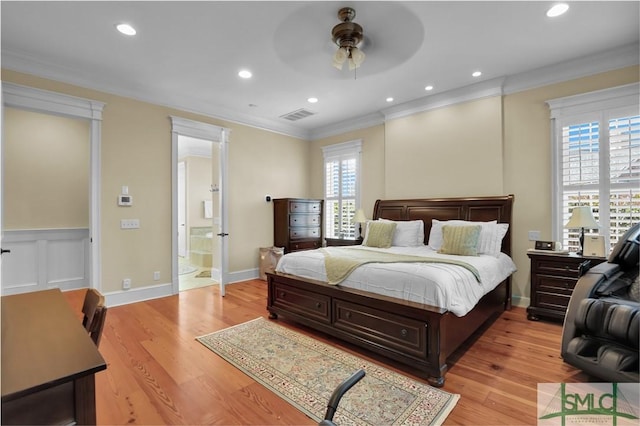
[
  {"x": 343, "y": 241},
  {"x": 553, "y": 278}
]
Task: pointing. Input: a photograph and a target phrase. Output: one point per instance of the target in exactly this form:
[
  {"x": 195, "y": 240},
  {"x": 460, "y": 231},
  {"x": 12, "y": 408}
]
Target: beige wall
[
  {"x": 446, "y": 152},
  {"x": 502, "y": 145},
  {"x": 136, "y": 151},
  {"x": 46, "y": 171},
  {"x": 527, "y": 158},
  {"x": 492, "y": 146}
]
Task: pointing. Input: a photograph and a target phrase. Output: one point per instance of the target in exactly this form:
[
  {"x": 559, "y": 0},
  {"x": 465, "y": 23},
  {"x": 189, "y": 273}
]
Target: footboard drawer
[
  {"x": 391, "y": 331},
  {"x": 301, "y": 302}
]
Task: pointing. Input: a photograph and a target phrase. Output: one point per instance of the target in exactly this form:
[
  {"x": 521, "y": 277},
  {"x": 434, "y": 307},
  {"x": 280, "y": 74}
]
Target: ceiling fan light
[
  {"x": 339, "y": 57},
  {"x": 357, "y": 56}
]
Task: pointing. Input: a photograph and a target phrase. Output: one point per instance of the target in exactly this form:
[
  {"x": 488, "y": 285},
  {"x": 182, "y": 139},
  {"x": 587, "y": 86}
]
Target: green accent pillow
[
  {"x": 379, "y": 234},
  {"x": 460, "y": 240}
]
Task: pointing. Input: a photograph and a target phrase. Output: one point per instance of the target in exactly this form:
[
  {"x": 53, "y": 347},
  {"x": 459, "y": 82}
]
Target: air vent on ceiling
[{"x": 297, "y": 114}]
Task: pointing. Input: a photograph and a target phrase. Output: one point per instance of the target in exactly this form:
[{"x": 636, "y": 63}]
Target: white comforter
[{"x": 443, "y": 285}]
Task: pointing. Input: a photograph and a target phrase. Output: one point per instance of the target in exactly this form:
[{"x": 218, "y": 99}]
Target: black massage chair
[{"x": 602, "y": 325}]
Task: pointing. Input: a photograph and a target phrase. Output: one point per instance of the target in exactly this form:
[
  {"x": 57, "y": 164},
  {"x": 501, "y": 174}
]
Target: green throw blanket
[{"x": 339, "y": 262}]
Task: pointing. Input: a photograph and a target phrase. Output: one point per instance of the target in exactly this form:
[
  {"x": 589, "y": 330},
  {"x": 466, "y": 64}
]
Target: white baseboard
[{"x": 124, "y": 297}]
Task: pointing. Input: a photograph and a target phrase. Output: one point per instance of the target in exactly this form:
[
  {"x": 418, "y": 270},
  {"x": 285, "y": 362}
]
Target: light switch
[{"x": 129, "y": 223}]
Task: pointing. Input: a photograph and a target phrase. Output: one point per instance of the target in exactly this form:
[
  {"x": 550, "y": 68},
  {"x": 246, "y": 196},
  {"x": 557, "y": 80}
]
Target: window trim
[
  {"x": 337, "y": 151},
  {"x": 597, "y": 105}
]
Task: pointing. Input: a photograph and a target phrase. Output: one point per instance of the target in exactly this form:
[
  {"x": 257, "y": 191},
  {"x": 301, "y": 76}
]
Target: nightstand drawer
[
  {"x": 559, "y": 285},
  {"x": 553, "y": 301},
  {"x": 553, "y": 267}
]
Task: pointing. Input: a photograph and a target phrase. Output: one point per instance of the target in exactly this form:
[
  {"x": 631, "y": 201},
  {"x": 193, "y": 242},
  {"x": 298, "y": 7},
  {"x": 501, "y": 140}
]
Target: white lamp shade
[
  {"x": 582, "y": 217},
  {"x": 339, "y": 57},
  {"x": 356, "y": 58},
  {"x": 359, "y": 217}
]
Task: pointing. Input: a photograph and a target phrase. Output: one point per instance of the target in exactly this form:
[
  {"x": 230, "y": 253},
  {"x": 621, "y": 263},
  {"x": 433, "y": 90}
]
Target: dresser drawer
[
  {"x": 304, "y": 220},
  {"x": 384, "y": 328},
  {"x": 302, "y": 302},
  {"x": 304, "y": 245},
  {"x": 302, "y": 233},
  {"x": 303, "y": 207}
]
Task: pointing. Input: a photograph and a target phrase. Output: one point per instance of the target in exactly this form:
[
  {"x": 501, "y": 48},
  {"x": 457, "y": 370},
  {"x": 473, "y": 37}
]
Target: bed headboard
[{"x": 477, "y": 209}]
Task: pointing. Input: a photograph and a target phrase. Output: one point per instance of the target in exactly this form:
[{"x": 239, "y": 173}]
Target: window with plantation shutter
[
  {"x": 596, "y": 157},
  {"x": 341, "y": 188}
]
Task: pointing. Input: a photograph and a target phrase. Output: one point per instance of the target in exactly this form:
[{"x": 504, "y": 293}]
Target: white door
[{"x": 182, "y": 214}]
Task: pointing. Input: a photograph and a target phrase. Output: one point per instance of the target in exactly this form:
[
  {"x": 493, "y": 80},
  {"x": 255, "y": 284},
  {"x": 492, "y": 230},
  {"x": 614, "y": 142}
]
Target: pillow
[
  {"x": 409, "y": 233},
  {"x": 461, "y": 240},
  {"x": 490, "y": 239},
  {"x": 379, "y": 234}
]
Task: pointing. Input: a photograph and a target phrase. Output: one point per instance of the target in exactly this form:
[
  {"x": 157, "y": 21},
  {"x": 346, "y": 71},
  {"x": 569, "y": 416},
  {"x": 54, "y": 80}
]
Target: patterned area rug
[{"x": 305, "y": 372}]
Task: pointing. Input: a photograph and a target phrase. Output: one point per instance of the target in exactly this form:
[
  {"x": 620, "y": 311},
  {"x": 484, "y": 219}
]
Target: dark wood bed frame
[{"x": 420, "y": 336}]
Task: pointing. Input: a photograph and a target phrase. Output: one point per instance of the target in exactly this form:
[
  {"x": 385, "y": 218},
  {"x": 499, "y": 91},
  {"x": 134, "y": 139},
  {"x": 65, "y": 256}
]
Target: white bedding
[{"x": 443, "y": 285}]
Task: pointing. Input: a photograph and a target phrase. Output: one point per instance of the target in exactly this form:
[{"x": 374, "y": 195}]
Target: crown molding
[
  {"x": 34, "y": 66},
  {"x": 613, "y": 59},
  {"x": 609, "y": 60}
]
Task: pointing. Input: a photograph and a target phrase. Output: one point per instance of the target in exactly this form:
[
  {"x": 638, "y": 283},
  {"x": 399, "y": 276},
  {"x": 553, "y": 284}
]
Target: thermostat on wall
[{"x": 125, "y": 200}]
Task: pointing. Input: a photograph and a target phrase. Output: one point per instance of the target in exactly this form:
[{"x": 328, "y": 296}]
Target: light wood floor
[{"x": 157, "y": 373}]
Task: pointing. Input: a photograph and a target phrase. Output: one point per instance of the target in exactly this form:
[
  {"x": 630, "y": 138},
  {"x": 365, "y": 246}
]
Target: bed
[{"x": 421, "y": 336}]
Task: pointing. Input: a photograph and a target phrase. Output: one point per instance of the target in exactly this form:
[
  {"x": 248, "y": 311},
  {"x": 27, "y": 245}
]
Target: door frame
[
  {"x": 215, "y": 134},
  {"x": 48, "y": 102}
]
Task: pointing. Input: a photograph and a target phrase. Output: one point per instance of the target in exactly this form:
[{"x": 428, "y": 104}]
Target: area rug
[{"x": 305, "y": 371}]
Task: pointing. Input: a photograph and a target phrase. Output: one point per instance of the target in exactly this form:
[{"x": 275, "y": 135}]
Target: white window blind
[
  {"x": 597, "y": 161},
  {"x": 341, "y": 188}
]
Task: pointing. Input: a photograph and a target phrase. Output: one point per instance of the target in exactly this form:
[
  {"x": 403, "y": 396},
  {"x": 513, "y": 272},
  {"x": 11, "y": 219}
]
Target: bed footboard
[{"x": 419, "y": 336}]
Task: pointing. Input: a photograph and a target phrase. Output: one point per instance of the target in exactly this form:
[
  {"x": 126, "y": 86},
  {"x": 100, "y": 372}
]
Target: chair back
[{"x": 95, "y": 313}]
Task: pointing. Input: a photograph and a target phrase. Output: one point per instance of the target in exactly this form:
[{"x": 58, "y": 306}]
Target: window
[
  {"x": 341, "y": 188},
  {"x": 597, "y": 161}
]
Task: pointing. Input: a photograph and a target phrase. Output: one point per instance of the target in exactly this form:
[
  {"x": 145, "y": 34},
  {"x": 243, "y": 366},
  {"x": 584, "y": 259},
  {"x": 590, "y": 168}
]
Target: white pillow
[
  {"x": 408, "y": 233},
  {"x": 490, "y": 240}
]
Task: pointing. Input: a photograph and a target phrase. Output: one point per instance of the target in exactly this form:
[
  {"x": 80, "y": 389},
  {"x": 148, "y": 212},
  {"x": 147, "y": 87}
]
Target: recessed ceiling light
[
  {"x": 389, "y": 99},
  {"x": 476, "y": 74},
  {"x": 126, "y": 29},
  {"x": 557, "y": 10},
  {"x": 429, "y": 87},
  {"x": 245, "y": 74},
  {"x": 312, "y": 100}
]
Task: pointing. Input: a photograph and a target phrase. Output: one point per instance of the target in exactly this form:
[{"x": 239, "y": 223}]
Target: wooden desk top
[{"x": 43, "y": 344}]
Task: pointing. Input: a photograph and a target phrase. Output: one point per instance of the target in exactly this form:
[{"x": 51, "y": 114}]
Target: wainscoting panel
[{"x": 45, "y": 258}]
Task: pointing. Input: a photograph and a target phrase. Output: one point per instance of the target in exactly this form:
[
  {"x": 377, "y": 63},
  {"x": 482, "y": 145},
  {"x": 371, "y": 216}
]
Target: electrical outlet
[
  {"x": 156, "y": 275},
  {"x": 126, "y": 283},
  {"x": 129, "y": 223},
  {"x": 534, "y": 235}
]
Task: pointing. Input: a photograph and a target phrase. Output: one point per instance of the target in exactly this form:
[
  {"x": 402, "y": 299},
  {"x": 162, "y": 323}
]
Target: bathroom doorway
[
  {"x": 204, "y": 228},
  {"x": 198, "y": 212}
]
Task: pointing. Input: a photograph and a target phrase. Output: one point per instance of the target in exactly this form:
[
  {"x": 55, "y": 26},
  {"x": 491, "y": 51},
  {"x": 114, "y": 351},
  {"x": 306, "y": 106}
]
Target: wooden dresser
[
  {"x": 297, "y": 223},
  {"x": 553, "y": 278}
]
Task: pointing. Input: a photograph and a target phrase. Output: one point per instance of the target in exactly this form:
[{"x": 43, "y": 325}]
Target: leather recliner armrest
[{"x": 585, "y": 287}]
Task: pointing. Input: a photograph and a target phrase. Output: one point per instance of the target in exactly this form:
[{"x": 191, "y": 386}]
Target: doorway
[
  {"x": 198, "y": 217},
  {"x": 199, "y": 153},
  {"x": 61, "y": 254}
]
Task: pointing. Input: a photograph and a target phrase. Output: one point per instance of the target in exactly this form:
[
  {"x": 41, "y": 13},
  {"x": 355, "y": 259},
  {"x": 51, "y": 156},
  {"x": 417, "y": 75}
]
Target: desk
[{"x": 48, "y": 361}]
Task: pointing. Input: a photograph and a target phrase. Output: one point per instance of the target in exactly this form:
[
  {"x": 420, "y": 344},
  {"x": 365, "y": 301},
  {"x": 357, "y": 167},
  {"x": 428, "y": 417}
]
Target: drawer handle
[
  {"x": 348, "y": 315},
  {"x": 283, "y": 294},
  {"x": 404, "y": 332},
  {"x": 318, "y": 305}
]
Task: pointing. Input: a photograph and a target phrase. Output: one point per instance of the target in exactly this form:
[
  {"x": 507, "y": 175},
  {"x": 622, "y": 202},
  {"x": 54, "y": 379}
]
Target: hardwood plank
[{"x": 159, "y": 374}]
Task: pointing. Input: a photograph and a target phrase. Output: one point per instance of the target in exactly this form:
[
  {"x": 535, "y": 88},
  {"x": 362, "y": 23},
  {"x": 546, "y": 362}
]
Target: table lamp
[
  {"x": 581, "y": 218},
  {"x": 359, "y": 218}
]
